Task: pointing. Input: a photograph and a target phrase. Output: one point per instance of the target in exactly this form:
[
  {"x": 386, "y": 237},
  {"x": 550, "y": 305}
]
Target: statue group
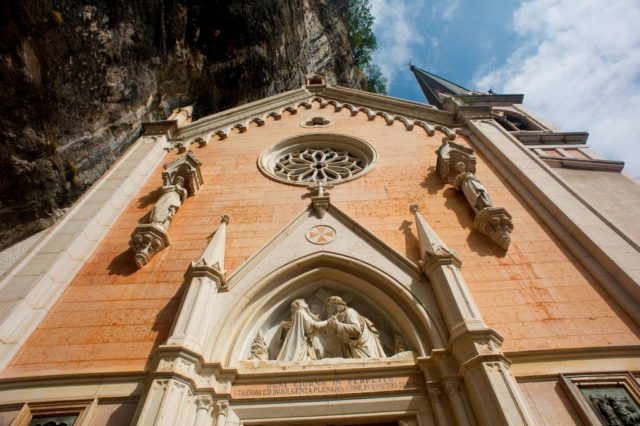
[
  {"x": 300, "y": 336},
  {"x": 616, "y": 411}
]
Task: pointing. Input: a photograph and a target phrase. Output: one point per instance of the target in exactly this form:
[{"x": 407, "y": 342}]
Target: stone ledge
[
  {"x": 580, "y": 164},
  {"x": 547, "y": 137}
]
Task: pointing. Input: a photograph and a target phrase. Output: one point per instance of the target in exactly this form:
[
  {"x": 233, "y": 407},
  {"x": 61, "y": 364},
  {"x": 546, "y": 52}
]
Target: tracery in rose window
[{"x": 318, "y": 165}]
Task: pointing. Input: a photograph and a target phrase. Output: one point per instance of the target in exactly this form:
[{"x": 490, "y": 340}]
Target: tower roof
[{"x": 433, "y": 86}]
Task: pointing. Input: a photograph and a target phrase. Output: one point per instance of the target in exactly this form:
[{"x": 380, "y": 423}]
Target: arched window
[{"x": 514, "y": 122}]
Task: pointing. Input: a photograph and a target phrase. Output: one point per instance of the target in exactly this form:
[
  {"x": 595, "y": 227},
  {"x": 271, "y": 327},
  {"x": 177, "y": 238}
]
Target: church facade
[{"x": 328, "y": 256}]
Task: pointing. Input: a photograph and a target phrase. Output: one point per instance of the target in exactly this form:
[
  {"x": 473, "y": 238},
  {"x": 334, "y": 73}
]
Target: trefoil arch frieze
[{"x": 223, "y": 131}]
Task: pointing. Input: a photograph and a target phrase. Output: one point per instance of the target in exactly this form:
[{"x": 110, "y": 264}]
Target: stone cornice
[
  {"x": 582, "y": 164},
  {"x": 550, "y": 355},
  {"x": 549, "y": 363},
  {"x": 493, "y": 99},
  {"x": 73, "y": 378},
  {"x": 411, "y": 114},
  {"x": 238, "y": 114},
  {"x": 547, "y": 136},
  {"x": 409, "y": 109}
]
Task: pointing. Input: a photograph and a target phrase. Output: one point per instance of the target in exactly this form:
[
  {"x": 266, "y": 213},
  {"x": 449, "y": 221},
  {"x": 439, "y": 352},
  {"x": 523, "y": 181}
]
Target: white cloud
[
  {"x": 397, "y": 34},
  {"x": 580, "y": 69},
  {"x": 444, "y": 9}
]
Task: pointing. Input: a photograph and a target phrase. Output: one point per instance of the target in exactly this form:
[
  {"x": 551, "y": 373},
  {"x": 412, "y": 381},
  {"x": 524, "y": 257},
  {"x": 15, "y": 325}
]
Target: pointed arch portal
[{"x": 379, "y": 283}]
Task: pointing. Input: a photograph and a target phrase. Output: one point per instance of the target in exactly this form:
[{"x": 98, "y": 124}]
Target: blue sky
[{"x": 576, "y": 61}]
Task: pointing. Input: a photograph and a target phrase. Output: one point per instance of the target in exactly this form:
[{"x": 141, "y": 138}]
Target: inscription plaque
[{"x": 324, "y": 387}]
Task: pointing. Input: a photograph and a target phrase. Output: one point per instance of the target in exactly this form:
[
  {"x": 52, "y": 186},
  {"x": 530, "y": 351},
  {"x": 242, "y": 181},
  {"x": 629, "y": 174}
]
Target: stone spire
[
  {"x": 435, "y": 87},
  {"x": 213, "y": 255},
  {"x": 445, "y": 95},
  {"x": 433, "y": 251},
  {"x": 206, "y": 277}
]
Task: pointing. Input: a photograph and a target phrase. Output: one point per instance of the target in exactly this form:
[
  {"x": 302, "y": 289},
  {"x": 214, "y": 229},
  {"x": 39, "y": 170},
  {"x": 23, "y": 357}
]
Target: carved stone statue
[
  {"x": 457, "y": 165},
  {"x": 473, "y": 190},
  {"x": 168, "y": 203},
  {"x": 399, "y": 345},
  {"x": 259, "y": 349},
  {"x": 150, "y": 238},
  {"x": 305, "y": 335},
  {"x": 301, "y": 341},
  {"x": 358, "y": 334}
]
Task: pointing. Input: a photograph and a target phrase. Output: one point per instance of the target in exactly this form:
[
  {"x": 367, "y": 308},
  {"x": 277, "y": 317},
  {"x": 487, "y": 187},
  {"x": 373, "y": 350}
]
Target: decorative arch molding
[
  {"x": 356, "y": 260},
  {"x": 271, "y": 296},
  {"x": 223, "y": 131}
]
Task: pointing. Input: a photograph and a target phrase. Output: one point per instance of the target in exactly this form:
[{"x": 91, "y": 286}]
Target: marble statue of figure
[
  {"x": 473, "y": 190},
  {"x": 168, "y": 203},
  {"x": 302, "y": 342},
  {"x": 359, "y": 336}
]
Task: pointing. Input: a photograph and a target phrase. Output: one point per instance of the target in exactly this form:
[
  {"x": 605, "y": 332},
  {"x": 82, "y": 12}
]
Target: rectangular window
[{"x": 54, "y": 414}]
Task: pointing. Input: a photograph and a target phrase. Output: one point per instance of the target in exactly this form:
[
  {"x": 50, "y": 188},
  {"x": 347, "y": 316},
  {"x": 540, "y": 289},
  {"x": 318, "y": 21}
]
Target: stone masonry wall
[{"x": 537, "y": 295}]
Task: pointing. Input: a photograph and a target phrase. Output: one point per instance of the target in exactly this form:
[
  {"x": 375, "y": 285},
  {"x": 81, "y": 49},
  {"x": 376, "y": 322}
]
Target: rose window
[
  {"x": 318, "y": 165},
  {"x": 318, "y": 157}
]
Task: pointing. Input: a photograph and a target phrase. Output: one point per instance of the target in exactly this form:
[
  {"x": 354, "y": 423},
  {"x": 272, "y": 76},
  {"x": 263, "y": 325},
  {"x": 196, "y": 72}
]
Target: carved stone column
[
  {"x": 166, "y": 403},
  {"x": 181, "y": 178},
  {"x": 495, "y": 396},
  {"x": 457, "y": 165},
  {"x": 206, "y": 278},
  {"x": 505, "y": 405},
  {"x": 222, "y": 409},
  {"x": 452, "y": 389},
  {"x": 204, "y": 403},
  {"x": 435, "y": 395}
]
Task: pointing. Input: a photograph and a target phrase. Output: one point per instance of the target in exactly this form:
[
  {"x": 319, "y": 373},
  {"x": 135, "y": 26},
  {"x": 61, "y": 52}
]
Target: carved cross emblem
[{"x": 321, "y": 234}]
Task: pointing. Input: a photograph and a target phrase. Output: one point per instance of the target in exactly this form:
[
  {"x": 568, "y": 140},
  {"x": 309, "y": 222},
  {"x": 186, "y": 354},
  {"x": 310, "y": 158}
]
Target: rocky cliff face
[{"x": 78, "y": 78}]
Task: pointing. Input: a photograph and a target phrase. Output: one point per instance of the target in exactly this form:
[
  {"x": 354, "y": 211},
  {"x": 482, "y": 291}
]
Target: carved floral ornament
[
  {"x": 306, "y": 159},
  {"x": 317, "y": 121}
]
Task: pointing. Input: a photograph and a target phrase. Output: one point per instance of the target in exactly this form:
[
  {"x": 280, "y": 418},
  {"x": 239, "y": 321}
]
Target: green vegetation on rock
[{"x": 363, "y": 44}]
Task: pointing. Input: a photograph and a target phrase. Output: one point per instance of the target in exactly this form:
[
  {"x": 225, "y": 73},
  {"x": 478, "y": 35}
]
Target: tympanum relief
[
  {"x": 613, "y": 405},
  {"x": 335, "y": 330}
]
